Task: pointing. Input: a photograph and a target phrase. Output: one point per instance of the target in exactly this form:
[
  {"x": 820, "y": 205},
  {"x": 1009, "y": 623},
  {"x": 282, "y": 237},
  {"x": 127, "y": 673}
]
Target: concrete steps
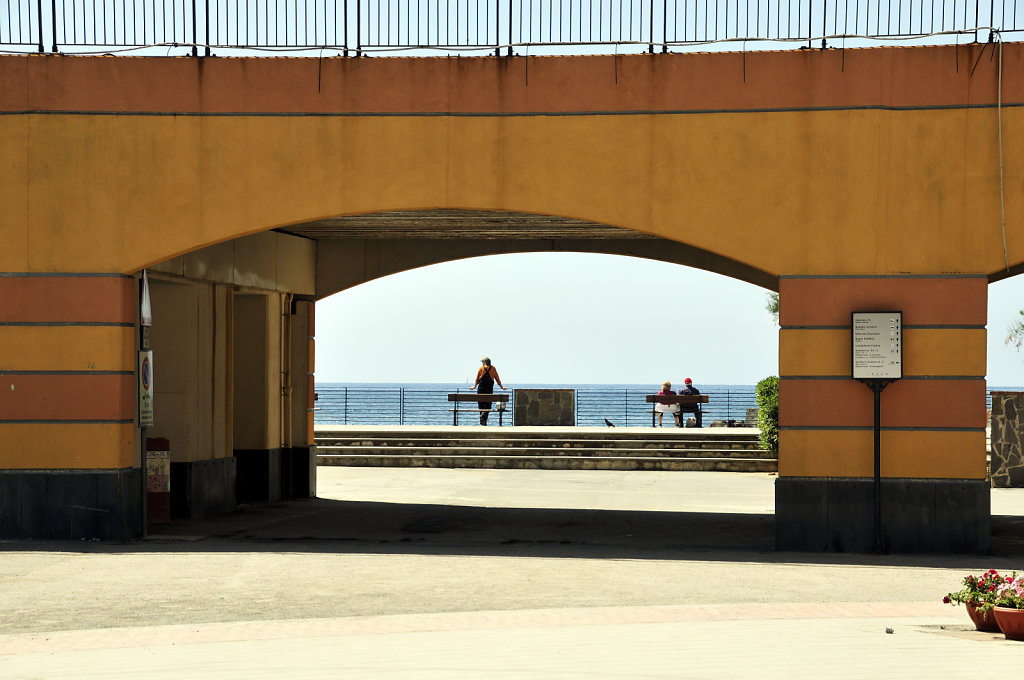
[{"x": 564, "y": 449}]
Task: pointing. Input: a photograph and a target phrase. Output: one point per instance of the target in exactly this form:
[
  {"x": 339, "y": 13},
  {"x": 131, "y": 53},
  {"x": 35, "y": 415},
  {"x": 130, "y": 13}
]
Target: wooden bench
[
  {"x": 472, "y": 397},
  {"x": 697, "y": 399}
]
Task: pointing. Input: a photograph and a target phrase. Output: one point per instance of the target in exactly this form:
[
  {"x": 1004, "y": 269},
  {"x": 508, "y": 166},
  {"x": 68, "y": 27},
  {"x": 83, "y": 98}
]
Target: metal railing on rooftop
[{"x": 499, "y": 26}]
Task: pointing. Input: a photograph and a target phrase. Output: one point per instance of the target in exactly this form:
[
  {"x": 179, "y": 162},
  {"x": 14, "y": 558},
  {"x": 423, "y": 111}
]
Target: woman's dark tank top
[{"x": 486, "y": 385}]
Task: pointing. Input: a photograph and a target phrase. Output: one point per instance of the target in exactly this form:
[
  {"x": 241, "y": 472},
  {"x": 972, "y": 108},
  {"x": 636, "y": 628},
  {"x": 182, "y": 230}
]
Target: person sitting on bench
[
  {"x": 662, "y": 409},
  {"x": 689, "y": 408}
]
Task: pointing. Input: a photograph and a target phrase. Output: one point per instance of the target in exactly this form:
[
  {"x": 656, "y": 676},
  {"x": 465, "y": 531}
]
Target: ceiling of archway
[
  {"x": 455, "y": 224},
  {"x": 357, "y": 248}
]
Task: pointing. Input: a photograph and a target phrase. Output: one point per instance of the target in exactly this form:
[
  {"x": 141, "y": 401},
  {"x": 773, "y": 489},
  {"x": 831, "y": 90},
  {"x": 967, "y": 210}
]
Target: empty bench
[
  {"x": 680, "y": 399},
  {"x": 472, "y": 398}
]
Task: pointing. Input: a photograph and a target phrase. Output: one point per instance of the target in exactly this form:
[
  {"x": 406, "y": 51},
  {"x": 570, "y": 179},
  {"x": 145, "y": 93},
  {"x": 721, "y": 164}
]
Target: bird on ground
[{"x": 609, "y": 423}]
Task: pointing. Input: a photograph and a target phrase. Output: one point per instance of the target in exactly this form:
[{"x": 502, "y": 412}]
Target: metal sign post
[
  {"x": 145, "y": 384},
  {"x": 877, "y": 361}
]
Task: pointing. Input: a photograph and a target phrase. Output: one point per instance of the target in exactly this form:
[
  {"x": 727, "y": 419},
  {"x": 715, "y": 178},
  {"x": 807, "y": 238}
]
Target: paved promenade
[{"x": 495, "y": 574}]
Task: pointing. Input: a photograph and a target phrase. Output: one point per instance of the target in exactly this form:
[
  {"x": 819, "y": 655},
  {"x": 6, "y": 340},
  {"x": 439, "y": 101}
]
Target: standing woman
[{"x": 486, "y": 376}]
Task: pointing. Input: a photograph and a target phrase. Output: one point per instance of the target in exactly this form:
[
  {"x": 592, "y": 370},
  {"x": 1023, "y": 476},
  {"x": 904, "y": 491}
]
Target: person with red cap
[{"x": 690, "y": 408}]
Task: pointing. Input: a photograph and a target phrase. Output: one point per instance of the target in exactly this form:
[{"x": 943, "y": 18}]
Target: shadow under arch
[{"x": 358, "y": 248}]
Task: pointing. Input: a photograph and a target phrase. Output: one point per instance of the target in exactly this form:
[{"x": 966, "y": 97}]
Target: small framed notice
[
  {"x": 146, "y": 388},
  {"x": 877, "y": 345}
]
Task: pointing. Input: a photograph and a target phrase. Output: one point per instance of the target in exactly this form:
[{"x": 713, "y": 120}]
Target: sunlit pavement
[{"x": 480, "y": 574}]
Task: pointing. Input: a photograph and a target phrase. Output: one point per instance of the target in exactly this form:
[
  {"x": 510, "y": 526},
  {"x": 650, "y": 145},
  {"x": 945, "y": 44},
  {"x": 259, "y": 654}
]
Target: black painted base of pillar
[
  {"x": 259, "y": 475},
  {"x": 71, "y": 504},
  {"x": 268, "y": 475},
  {"x": 299, "y": 470},
  {"x": 203, "y": 488},
  {"x": 918, "y": 515}
]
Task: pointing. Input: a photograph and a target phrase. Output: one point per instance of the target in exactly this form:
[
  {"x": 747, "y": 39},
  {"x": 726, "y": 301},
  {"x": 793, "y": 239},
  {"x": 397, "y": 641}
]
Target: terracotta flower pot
[
  {"x": 983, "y": 621},
  {"x": 1011, "y": 622}
]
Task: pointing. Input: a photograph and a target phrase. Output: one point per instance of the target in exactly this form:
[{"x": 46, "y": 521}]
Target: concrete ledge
[
  {"x": 535, "y": 462},
  {"x": 71, "y": 504},
  {"x": 918, "y": 515}
]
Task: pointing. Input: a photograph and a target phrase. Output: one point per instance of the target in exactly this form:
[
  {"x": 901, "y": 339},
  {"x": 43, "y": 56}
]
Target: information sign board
[
  {"x": 146, "y": 388},
  {"x": 877, "y": 345}
]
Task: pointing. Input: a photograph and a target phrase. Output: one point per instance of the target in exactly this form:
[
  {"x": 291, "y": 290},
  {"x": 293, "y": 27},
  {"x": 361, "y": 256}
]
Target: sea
[{"x": 349, "y": 403}]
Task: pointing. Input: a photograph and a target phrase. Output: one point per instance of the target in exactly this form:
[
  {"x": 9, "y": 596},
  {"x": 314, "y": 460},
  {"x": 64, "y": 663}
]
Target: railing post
[
  {"x": 206, "y": 52},
  {"x": 53, "y": 25},
  {"x": 510, "y": 28},
  {"x": 664, "y": 26},
  {"x": 195, "y": 37},
  {"x": 345, "y": 417},
  {"x": 401, "y": 406},
  {"x": 650, "y": 45},
  {"x": 344, "y": 28},
  {"x": 824, "y": 22},
  {"x": 39, "y": 9},
  {"x": 810, "y": 24}
]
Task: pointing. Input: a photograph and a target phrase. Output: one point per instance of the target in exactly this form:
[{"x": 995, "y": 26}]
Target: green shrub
[{"x": 767, "y": 396}]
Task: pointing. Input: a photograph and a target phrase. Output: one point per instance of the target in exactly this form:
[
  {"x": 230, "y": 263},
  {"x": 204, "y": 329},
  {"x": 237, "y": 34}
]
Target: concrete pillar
[
  {"x": 69, "y": 447},
  {"x": 934, "y": 493},
  {"x": 257, "y": 396},
  {"x": 300, "y": 473},
  {"x": 191, "y": 359}
]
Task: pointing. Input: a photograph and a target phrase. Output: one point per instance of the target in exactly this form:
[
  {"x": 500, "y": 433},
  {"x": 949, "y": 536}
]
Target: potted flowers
[
  {"x": 979, "y": 596},
  {"x": 1009, "y": 607}
]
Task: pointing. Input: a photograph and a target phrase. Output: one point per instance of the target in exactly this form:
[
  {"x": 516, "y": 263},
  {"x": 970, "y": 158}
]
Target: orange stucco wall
[
  {"x": 861, "y": 161},
  {"x": 67, "y": 371},
  {"x": 933, "y": 419},
  {"x": 861, "y": 177}
]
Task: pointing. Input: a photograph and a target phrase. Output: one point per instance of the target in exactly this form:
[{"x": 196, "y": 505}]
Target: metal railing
[
  {"x": 346, "y": 405},
  {"x": 624, "y": 407},
  {"x": 628, "y": 407},
  {"x": 502, "y": 26}
]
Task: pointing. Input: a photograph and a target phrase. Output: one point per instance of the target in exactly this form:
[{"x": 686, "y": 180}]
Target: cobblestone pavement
[{"x": 413, "y": 574}]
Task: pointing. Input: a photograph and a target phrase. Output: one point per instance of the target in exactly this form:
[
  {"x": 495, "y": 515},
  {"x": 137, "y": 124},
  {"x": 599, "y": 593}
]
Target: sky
[{"x": 575, "y": 318}]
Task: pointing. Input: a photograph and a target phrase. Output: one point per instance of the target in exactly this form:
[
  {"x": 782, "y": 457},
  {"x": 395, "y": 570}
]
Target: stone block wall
[
  {"x": 544, "y": 407},
  {"x": 1007, "y": 446}
]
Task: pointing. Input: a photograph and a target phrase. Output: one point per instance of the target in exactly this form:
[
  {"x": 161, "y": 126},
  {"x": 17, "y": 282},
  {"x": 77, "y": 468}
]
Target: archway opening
[{"x": 612, "y": 329}]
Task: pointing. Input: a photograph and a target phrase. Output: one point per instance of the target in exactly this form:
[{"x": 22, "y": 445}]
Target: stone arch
[
  {"x": 859, "y": 178},
  {"x": 358, "y": 248}
]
